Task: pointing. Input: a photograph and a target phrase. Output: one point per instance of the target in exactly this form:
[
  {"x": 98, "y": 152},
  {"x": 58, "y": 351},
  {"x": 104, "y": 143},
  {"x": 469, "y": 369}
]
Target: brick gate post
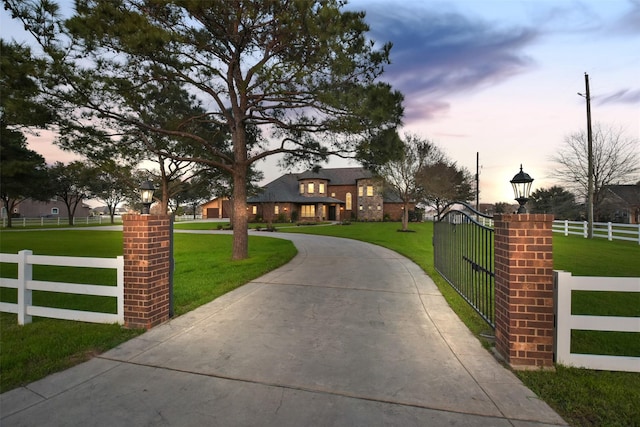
[
  {"x": 147, "y": 254},
  {"x": 524, "y": 313}
]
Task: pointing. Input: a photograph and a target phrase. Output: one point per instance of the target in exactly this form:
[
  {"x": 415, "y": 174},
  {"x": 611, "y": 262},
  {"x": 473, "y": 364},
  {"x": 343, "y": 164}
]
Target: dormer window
[
  {"x": 321, "y": 188},
  {"x": 310, "y": 188},
  {"x": 301, "y": 188}
]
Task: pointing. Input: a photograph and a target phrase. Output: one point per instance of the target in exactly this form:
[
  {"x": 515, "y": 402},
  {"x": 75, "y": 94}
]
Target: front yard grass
[{"x": 203, "y": 272}]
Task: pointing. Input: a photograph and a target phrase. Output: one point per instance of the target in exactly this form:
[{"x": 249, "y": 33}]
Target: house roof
[
  {"x": 285, "y": 188},
  {"x": 346, "y": 176},
  {"x": 630, "y": 194}
]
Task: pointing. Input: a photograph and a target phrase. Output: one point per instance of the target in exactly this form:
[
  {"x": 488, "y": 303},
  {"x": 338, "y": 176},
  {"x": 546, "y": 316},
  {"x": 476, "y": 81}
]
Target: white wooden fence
[
  {"x": 61, "y": 221},
  {"x": 565, "y": 283},
  {"x": 25, "y": 285},
  {"x": 85, "y": 220},
  {"x": 604, "y": 230}
]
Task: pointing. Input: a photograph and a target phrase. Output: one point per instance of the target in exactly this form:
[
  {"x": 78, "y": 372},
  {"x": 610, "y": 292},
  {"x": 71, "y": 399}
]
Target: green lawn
[{"x": 204, "y": 271}]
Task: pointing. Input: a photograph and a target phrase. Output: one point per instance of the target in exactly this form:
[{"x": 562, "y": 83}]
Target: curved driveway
[{"x": 347, "y": 333}]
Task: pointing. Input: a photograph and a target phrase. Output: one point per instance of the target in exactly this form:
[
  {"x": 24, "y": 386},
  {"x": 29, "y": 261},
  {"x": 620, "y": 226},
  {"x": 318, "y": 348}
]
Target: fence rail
[
  {"x": 604, "y": 230},
  {"x": 25, "y": 285},
  {"x": 85, "y": 220},
  {"x": 61, "y": 221},
  {"x": 565, "y": 283}
]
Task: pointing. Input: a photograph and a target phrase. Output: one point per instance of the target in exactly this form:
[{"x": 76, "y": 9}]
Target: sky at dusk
[{"x": 498, "y": 77}]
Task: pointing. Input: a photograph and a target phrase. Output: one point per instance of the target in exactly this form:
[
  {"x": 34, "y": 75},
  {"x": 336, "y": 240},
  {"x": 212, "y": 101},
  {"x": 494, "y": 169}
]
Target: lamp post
[
  {"x": 146, "y": 195},
  {"x": 521, "y": 184}
]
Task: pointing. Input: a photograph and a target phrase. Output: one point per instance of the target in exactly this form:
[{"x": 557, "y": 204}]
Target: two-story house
[{"x": 327, "y": 194}]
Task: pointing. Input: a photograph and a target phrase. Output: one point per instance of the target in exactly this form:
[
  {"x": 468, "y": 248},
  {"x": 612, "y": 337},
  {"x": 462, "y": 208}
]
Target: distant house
[
  {"x": 218, "y": 208},
  {"x": 620, "y": 203},
  {"x": 52, "y": 208},
  {"x": 104, "y": 210},
  {"x": 326, "y": 194}
]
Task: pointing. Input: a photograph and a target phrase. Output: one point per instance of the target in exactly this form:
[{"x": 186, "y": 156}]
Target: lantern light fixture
[
  {"x": 521, "y": 184},
  {"x": 146, "y": 195}
]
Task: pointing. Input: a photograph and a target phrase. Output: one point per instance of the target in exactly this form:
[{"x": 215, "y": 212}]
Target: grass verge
[{"x": 204, "y": 271}]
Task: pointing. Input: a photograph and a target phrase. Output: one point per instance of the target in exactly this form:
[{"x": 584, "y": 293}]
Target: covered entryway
[{"x": 332, "y": 213}]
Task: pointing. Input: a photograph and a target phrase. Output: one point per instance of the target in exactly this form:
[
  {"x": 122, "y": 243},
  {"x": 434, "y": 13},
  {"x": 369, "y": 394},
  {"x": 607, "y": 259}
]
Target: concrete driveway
[{"x": 346, "y": 334}]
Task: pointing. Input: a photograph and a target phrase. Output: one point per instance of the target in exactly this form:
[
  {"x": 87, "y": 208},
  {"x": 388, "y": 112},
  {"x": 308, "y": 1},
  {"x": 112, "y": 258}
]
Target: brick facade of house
[{"x": 327, "y": 194}]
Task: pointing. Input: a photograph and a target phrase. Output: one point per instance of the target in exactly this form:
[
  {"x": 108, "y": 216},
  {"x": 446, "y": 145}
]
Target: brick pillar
[
  {"x": 146, "y": 269},
  {"x": 524, "y": 314}
]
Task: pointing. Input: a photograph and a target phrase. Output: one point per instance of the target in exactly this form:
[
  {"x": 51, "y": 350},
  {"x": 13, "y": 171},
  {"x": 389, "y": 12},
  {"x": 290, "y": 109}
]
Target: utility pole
[
  {"x": 478, "y": 181},
  {"x": 589, "y": 161}
]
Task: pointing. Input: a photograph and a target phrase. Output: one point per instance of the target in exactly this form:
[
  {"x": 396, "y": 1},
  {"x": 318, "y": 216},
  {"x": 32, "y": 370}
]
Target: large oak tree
[{"x": 301, "y": 71}]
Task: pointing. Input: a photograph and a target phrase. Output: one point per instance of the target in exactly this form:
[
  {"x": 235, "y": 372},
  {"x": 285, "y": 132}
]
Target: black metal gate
[{"x": 463, "y": 255}]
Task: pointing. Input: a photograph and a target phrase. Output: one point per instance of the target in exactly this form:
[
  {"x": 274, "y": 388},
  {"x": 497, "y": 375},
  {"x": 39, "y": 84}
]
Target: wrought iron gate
[{"x": 463, "y": 255}]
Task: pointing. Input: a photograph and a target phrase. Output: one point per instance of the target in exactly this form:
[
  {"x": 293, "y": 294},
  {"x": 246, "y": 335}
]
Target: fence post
[
  {"x": 146, "y": 240},
  {"x": 524, "y": 311},
  {"x": 566, "y": 227},
  {"x": 25, "y": 274},
  {"x": 585, "y": 229},
  {"x": 562, "y": 303},
  {"x": 120, "y": 286},
  {"x": 609, "y": 231}
]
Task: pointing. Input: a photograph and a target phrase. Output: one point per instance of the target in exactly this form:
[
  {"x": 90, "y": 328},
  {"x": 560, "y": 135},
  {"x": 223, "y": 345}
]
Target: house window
[
  {"x": 361, "y": 207},
  {"x": 379, "y": 207},
  {"x": 276, "y": 210},
  {"x": 369, "y": 190},
  {"x": 301, "y": 188},
  {"x": 255, "y": 209},
  {"x": 321, "y": 188},
  {"x": 333, "y": 194},
  {"x": 360, "y": 191},
  {"x": 308, "y": 211},
  {"x": 310, "y": 188},
  {"x": 54, "y": 211},
  {"x": 348, "y": 207}
]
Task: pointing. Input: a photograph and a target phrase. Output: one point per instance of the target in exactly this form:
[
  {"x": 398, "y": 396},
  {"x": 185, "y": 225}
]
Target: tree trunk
[
  {"x": 9, "y": 211},
  {"x": 240, "y": 216},
  {"x": 405, "y": 217},
  {"x": 164, "y": 203},
  {"x": 70, "y": 212}
]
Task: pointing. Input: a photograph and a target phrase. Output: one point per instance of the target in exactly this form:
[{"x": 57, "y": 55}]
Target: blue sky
[{"x": 499, "y": 77}]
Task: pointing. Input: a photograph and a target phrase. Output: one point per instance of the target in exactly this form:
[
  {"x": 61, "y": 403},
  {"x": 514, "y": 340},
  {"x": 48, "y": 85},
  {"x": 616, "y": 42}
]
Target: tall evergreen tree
[
  {"x": 301, "y": 71},
  {"x": 22, "y": 171}
]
